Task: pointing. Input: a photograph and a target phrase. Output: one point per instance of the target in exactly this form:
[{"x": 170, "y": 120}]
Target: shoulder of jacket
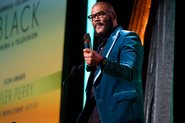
[{"x": 127, "y": 32}]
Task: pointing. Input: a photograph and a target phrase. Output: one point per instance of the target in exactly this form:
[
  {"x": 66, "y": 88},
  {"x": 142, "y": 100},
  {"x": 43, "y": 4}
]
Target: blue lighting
[{"x": 89, "y": 30}]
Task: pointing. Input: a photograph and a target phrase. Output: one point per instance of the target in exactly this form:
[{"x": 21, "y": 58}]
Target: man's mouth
[{"x": 98, "y": 25}]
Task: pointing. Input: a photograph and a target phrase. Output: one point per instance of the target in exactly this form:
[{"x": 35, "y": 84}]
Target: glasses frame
[{"x": 92, "y": 17}]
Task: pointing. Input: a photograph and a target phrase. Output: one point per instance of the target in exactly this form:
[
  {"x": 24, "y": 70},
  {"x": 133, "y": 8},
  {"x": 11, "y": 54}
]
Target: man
[{"x": 114, "y": 89}]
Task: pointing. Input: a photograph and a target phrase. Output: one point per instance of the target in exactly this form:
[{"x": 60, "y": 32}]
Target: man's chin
[
  {"x": 100, "y": 30},
  {"x": 99, "y": 34}
]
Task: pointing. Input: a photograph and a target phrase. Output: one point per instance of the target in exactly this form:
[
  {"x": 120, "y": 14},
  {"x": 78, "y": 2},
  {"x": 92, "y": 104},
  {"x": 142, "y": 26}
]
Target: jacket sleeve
[{"x": 128, "y": 63}]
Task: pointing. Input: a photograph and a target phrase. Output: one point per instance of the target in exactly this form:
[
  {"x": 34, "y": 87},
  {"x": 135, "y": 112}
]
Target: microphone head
[
  {"x": 81, "y": 66},
  {"x": 87, "y": 40},
  {"x": 75, "y": 69}
]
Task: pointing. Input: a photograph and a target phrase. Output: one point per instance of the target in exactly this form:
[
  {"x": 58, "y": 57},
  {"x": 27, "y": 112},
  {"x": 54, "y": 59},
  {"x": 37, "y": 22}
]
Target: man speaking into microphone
[{"x": 114, "y": 89}]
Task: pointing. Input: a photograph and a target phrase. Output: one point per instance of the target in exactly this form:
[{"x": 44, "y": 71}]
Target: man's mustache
[{"x": 98, "y": 24}]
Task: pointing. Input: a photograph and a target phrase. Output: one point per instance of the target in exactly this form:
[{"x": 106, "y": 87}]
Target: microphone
[
  {"x": 87, "y": 44},
  {"x": 74, "y": 71},
  {"x": 87, "y": 41}
]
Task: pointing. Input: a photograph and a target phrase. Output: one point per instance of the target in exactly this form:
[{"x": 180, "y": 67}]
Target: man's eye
[
  {"x": 98, "y": 14},
  {"x": 102, "y": 13},
  {"x": 93, "y": 16}
]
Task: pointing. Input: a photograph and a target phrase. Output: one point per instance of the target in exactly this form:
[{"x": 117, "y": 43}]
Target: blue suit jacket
[{"x": 118, "y": 88}]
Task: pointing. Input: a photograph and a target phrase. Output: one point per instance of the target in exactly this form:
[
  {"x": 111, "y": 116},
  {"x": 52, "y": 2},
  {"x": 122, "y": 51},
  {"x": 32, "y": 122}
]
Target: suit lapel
[{"x": 107, "y": 49}]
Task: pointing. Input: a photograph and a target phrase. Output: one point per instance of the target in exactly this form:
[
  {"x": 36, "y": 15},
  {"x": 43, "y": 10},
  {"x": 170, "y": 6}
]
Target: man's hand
[{"x": 91, "y": 57}]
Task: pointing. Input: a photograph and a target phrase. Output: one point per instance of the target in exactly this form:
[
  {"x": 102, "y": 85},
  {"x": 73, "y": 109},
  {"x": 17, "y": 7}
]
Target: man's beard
[{"x": 107, "y": 31}]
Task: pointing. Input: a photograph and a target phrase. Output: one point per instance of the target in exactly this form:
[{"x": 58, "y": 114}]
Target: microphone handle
[{"x": 87, "y": 45}]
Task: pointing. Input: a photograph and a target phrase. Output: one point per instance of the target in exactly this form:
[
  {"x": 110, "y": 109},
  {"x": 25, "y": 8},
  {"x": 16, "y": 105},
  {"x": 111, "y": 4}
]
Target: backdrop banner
[{"x": 31, "y": 59}]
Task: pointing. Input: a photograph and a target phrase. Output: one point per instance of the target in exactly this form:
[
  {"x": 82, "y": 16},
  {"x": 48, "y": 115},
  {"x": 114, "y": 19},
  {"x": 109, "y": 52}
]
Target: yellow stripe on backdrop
[{"x": 139, "y": 18}]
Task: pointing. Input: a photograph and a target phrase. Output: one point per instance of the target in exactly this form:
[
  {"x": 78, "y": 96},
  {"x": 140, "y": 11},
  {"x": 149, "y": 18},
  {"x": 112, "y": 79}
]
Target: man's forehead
[{"x": 98, "y": 8}]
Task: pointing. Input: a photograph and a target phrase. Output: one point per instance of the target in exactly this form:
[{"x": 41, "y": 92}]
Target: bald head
[{"x": 105, "y": 5}]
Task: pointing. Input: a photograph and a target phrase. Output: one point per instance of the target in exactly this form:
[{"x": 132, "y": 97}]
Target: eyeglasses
[{"x": 100, "y": 14}]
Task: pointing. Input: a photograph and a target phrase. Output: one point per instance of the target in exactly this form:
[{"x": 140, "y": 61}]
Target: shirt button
[
  {"x": 100, "y": 100},
  {"x": 97, "y": 88}
]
